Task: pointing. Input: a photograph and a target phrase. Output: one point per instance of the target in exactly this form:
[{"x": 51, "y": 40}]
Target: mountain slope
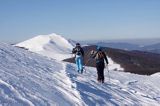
[
  {"x": 28, "y": 79},
  {"x": 155, "y": 48},
  {"x": 123, "y": 46},
  {"x": 52, "y": 45}
]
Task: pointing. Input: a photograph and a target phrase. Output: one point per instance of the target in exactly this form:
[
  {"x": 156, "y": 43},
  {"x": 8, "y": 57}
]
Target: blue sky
[{"x": 79, "y": 19}]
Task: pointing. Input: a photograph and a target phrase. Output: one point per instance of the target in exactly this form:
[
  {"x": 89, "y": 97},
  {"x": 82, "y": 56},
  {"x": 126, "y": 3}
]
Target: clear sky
[{"x": 79, "y": 19}]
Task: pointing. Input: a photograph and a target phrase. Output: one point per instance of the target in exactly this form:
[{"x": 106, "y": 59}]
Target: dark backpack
[{"x": 78, "y": 51}]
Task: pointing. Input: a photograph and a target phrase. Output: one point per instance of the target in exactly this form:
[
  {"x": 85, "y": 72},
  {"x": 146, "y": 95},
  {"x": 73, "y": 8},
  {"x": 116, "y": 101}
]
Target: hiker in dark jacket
[
  {"x": 79, "y": 55},
  {"x": 100, "y": 56}
]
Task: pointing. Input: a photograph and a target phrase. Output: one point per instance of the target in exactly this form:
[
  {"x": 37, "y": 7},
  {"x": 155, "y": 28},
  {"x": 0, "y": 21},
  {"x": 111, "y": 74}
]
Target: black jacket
[{"x": 78, "y": 51}]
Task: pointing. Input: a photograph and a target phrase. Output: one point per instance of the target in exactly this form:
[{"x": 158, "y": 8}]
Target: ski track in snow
[
  {"x": 127, "y": 91},
  {"x": 28, "y": 79}
]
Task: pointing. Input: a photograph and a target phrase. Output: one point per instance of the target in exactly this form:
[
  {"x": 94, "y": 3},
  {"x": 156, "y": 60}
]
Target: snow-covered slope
[
  {"x": 52, "y": 45},
  {"x": 28, "y": 79}
]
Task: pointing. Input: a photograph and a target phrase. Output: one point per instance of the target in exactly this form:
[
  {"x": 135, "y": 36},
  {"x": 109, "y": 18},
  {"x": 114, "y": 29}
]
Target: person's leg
[
  {"x": 102, "y": 72},
  {"x": 99, "y": 76},
  {"x": 98, "y": 72},
  {"x": 81, "y": 64},
  {"x": 77, "y": 63},
  {"x": 102, "y": 75}
]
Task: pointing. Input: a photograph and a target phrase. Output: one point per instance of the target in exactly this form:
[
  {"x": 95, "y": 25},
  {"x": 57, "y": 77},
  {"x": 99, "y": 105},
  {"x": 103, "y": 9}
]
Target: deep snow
[{"x": 29, "y": 79}]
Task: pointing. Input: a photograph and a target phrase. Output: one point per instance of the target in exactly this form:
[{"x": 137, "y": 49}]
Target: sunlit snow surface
[
  {"x": 52, "y": 45},
  {"x": 28, "y": 79}
]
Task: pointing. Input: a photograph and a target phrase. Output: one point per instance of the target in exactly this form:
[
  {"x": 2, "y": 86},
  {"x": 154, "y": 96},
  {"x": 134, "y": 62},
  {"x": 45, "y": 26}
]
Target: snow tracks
[
  {"x": 123, "y": 89},
  {"x": 28, "y": 79}
]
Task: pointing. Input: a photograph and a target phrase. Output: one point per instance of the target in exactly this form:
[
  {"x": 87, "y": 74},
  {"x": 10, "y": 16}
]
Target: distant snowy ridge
[{"x": 52, "y": 45}]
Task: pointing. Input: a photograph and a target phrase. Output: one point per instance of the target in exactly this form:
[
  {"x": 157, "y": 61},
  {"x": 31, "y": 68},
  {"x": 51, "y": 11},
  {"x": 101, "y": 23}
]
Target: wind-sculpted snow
[
  {"x": 28, "y": 79},
  {"x": 52, "y": 45}
]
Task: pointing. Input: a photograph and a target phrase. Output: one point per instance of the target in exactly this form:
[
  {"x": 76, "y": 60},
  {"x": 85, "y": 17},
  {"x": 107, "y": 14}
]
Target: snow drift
[
  {"x": 52, "y": 45},
  {"x": 28, "y": 79}
]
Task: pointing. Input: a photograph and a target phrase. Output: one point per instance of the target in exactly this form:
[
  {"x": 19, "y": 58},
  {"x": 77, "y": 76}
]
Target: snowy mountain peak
[
  {"x": 52, "y": 45},
  {"x": 37, "y": 43},
  {"x": 61, "y": 41}
]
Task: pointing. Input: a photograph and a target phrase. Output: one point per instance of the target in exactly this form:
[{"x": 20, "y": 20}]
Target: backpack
[
  {"x": 78, "y": 51},
  {"x": 99, "y": 55}
]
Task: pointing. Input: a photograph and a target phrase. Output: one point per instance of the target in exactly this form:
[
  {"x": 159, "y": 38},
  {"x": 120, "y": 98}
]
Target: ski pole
[
  {"x": 87, "y": 61},
  {"x": 86, "y": 64}
]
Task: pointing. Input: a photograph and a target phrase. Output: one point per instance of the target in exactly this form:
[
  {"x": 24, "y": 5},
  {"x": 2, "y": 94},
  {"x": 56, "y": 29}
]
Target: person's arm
[
  {"x": 74, "y": 50},
  {"x": 105, "y": 57},
  {"x": 82, "y": 51},
  {"x": 93, "y": 54}
]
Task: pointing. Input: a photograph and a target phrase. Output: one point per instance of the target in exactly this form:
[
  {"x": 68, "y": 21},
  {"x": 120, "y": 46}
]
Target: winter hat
[{"x": 77, "y": 44}]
